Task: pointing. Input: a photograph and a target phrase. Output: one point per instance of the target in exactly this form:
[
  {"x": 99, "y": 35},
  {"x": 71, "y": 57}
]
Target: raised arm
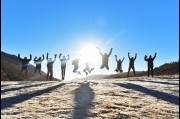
[
  {"x": 135, "y": 56},
  {"x": 30, "y": 58},
  {"x": 35, "y": 59},
  {"x": 42, "y": 57},
  {"x": 145, "y": 58},
  {"x": 100, "y": 51},
  {"x": 122, "y": 59},
  {"x": 154, "y": 56},
  {"x": 55, "y": 55},
  {"x": 128, "y": 55},
  {"x": 19, "y": 57},
  {"x": 116, "y": 58},
  {"x": 47, "y": 56},
  {"x": 68, "y": 57},
  {"x": 110, "y": 52},
  {"x": 60, "y": 56}
]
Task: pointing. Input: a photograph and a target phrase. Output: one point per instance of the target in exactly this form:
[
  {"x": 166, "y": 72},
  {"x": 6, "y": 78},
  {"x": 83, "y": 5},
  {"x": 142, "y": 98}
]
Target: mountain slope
[{"x": 11, "y": 67}]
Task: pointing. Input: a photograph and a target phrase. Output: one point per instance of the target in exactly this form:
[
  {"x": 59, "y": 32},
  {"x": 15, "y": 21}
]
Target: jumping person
[
  {"x": 87, "y": 69},
  {"x": 105, "y": 59},
  {"x": 63, "y": 65},
  {"x": 50, "y": 66},
  {"x": 76, "y": 66},
  {"x": 119, "y": 64},
  {"x": 150, "y": 63},
  {"x": 38, "y": 64},
  {"x": 131, "y": 64},
  {"x": 25, "y": 63}
]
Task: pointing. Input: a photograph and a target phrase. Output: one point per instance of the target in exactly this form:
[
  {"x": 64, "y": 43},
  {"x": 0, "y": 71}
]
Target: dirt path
[{"x": 101, "y": 99}]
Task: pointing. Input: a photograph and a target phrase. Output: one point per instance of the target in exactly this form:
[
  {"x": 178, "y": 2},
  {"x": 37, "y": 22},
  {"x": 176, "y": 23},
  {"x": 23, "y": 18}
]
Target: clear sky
[{"x": 69, "y": 26}]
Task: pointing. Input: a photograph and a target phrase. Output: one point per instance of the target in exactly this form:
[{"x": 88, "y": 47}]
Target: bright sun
[{"x": 89, "y": 53}]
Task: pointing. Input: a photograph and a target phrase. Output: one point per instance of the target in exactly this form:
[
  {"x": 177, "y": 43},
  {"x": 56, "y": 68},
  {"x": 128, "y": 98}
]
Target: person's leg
[
  {"x": 26, "y": 71},
  {"x": 102, "y": 66},
  {"x": 35, "y": 70},
  {"x": 64, "y": 71},
  {"x": 152, "y": 73},
  {"x": 47, "y": 74},
  {"x": 148, "y": 70},
  {"x": 91, "y": 70},
  {"x": 107, "y": 67},
  {"x": 134, "y": 71},
  {"x": 128, "y": 71},
  {"x": 51, "y": 74},
  {"x": 39, "y": 71},
  {"x": 75, "y": 68},
  {"x": 85, "y": 71}
]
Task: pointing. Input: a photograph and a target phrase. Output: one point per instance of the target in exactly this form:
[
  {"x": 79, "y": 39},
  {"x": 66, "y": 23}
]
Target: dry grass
[{"x": 92, "y": 98}]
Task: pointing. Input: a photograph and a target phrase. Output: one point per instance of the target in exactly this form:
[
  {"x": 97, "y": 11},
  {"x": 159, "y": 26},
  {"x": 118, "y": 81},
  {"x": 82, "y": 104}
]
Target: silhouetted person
[
  {"x": 76, "y": 66},
  {"x": 150, "y": 64},
  {"x": 50, "y": 66},
  {"x": 131, "y": 64},
  {"x": 25, "y": 63},
  {"x": 87, "y": 69},
  {"x": 63, "y": 65},
  {"x": 38, "y": 63},
  {"x": 105, "y": 59},
  {"x": 119, "y": 64}
]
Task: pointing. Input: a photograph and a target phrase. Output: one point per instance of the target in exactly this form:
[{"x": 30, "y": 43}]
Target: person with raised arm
[
  {"x": 25, "y": 63},
  {"x": 119, "y": 64},
  {"x": 38, "y": 63},
  {"x": 105, "y": 59},
  {"x": 87, "y": 69},
  {"x": 150, "y": 63},
  {"x": 50, "y": 66},
  {"x": 131, "y": 64},
  {"x": 63, "y": 65},
  {"x": 75, "y": 62}
]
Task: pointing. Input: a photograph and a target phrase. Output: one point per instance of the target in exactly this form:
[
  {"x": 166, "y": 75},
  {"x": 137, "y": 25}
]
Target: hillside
[
  {"x": 166, "y": 70},
  {"x": 11, "y": 66}
]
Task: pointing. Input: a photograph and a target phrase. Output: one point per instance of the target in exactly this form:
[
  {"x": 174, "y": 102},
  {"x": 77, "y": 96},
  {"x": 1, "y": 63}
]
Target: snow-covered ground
[{"x": 135, "y": 98}]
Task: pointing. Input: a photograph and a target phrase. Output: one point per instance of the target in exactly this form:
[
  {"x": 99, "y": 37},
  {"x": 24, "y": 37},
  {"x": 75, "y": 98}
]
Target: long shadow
[
  {"x": 10, "y": 101},
  {"x": 160, "y": 95},
  {"x": 156, "y": 82},
  {"x": 83, "y": 99},
  {"x": 22, "y": 87},
  {"x": 5, "y": 85}
]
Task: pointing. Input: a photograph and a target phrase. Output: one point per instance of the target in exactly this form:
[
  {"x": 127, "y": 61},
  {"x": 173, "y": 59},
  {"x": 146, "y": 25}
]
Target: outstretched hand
[
  {"x": 18, "y": 54},
  {"x": 55, "y": 55},
  {"x": 128, "y": 53},
  {"x": 115, "y": 55},
  {"x": 30, "y": 55},
  {"x": 111, "y": 48},
  {"x": 47, "y": 53}
]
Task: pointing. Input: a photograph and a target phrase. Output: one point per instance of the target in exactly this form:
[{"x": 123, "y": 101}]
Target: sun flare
[{"x": 89, "y": 53}]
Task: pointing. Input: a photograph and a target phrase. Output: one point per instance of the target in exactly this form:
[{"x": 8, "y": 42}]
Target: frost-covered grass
[{"x": 134, "y": 97}]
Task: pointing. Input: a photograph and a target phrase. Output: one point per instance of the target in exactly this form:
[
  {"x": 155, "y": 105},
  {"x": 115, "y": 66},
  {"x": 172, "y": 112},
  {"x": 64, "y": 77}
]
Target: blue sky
[{"x": 66, "y": 26}]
